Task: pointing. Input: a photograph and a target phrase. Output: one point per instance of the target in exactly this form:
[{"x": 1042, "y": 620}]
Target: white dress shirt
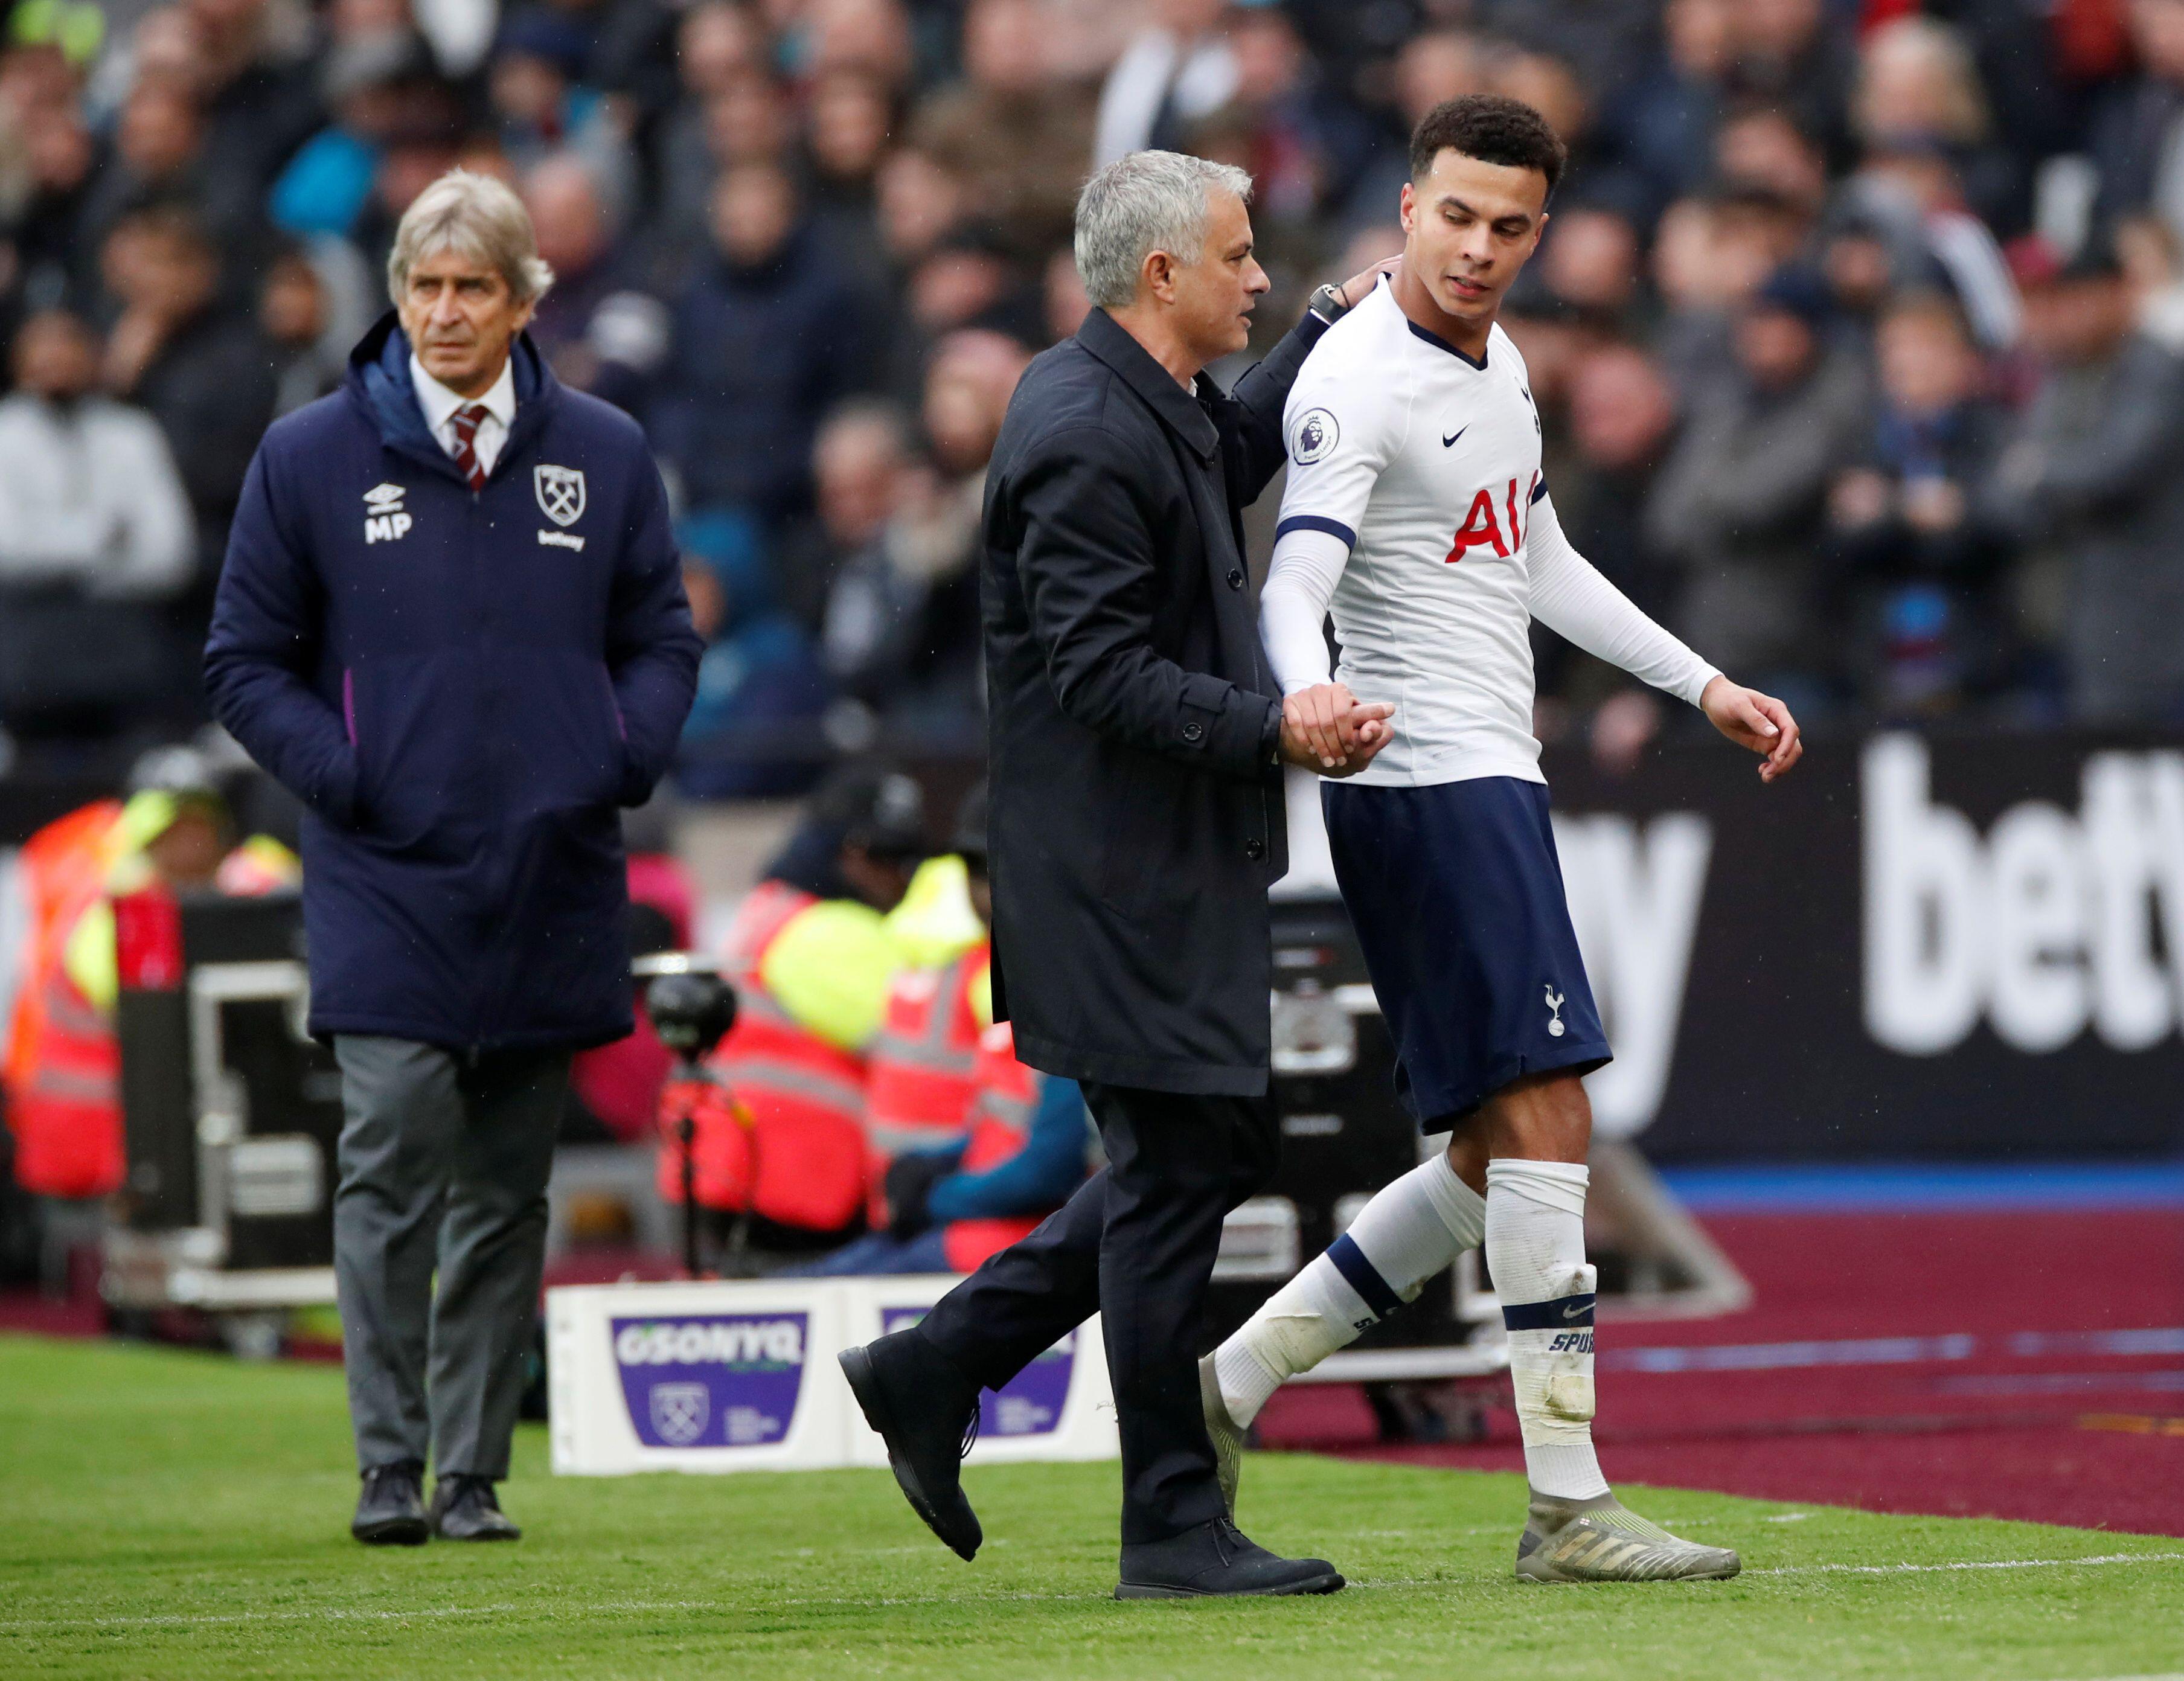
[{"x": 440, "y": 403}]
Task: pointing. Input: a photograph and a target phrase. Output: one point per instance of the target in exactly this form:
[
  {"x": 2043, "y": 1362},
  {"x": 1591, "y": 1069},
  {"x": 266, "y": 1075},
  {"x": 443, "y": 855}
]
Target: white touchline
[
  {"x": 1966, "y": 1564},
  {"x": 641, "y": 1607}
]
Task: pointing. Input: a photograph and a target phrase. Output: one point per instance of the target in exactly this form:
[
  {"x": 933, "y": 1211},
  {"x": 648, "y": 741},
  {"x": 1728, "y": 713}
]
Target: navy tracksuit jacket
[{"x": 461, "y": 689}]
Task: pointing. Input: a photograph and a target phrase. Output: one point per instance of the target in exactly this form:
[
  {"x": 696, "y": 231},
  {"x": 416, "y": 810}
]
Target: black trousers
[{"x": 1136, "y": 1243}]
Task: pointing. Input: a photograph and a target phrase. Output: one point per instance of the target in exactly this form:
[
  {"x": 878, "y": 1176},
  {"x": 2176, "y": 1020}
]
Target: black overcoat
[{"x": 1136, "y": 819}]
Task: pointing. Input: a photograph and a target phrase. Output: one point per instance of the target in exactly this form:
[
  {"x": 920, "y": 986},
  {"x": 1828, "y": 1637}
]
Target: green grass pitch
[{"x": 176, "y": 1516}]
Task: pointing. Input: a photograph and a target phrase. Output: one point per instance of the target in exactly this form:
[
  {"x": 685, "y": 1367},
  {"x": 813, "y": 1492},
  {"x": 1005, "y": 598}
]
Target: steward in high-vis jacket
[
  {"x": 946, "y": 1210},
  {"x": 922, "y": 1075},
  {"x": 62, "y": 1068},
  {"x": 812, "y": 955}
]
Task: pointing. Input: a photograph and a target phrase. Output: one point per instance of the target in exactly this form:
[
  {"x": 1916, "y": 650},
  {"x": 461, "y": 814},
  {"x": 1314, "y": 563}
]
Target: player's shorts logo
[
  {"x": 561, "y": 492},
  {"x": 1314, "y": 436},
  {"x": 1554, "y": 1029}
]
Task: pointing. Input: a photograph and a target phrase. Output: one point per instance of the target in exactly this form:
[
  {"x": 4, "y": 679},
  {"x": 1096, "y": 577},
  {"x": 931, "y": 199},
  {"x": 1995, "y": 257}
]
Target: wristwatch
[{"x": 1327, "y": 303}]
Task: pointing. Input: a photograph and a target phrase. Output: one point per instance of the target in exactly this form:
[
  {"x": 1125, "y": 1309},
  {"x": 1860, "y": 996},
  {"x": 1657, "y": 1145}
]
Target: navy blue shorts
[{"x": 1456, "y": 895}]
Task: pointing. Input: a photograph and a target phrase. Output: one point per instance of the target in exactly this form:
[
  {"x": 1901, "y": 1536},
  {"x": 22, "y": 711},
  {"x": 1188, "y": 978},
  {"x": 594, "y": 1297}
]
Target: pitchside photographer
[{"x": 452, "y": 622}]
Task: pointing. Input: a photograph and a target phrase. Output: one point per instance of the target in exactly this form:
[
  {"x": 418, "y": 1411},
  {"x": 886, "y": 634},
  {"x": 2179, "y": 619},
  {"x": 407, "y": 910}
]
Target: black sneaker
[
  {"x": 390, "y": 1507},
  {"x": 1218, "y": 1560},
  {"x": 927, "y": 1412},
  {"x": 464, "y": 1509}
]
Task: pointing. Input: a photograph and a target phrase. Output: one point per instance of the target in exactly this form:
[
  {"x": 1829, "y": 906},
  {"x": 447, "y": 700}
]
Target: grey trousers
[{"x": 443, "y": 1170}]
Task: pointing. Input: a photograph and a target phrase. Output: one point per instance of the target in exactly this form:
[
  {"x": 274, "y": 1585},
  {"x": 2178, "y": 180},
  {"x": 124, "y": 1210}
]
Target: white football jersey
[{"x": 1426, "y": 464}]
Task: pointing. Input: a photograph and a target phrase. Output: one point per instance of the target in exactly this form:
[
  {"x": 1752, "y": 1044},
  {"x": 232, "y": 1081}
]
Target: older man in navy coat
[{"x": 451, "y": 620}]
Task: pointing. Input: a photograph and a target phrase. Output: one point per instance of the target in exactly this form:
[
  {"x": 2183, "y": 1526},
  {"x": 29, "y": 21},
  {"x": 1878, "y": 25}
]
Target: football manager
[
  {"x": 451, "y": 622},
  {"x": 1136, "y": 821}
]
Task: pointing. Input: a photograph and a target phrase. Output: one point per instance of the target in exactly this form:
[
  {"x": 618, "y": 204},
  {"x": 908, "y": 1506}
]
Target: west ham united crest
[
  {"x": 560, "y": 493},
  {"x": 680, "y": 1412}
]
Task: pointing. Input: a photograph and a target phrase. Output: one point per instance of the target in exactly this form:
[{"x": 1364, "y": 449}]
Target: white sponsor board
[
  {"x": 741, "y": 1375},
  {"x": 1060, "y": 1406}
]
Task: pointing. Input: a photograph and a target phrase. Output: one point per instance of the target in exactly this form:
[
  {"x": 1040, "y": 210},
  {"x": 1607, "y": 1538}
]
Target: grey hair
[
  {"x": 479, "y": 218},
  {"x": 1142, "y": 203}
]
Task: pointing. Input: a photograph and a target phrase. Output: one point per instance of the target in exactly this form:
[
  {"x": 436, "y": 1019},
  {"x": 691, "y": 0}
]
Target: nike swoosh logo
[
  {"x": 1573, "y": 1312},
  {"x": 1453, "y": 436}
]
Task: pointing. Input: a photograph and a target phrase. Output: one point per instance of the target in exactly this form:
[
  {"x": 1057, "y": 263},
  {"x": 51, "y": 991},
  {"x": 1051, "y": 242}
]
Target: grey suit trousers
[{"x": 443, "y": 1172}]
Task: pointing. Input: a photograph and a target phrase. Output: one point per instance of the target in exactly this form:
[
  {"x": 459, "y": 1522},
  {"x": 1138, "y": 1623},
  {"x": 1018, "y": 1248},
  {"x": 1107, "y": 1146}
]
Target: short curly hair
[{"x": 1493, "y": 129}]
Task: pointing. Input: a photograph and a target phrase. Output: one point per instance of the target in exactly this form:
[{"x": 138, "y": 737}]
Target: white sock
[
  {"x": 1535, "y": 1251},
  {"x": 1406, "y": 1234}
]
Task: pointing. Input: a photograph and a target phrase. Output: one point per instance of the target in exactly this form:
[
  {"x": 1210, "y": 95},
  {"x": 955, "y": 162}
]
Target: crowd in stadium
[{"x": 1858, "y": 330}]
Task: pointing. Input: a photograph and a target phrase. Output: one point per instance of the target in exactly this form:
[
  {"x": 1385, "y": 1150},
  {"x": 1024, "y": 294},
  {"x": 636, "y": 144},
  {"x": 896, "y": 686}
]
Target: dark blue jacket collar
[{"x": 378, "y": 382}]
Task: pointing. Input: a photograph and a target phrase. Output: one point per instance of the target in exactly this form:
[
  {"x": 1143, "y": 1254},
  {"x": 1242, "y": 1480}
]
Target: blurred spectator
[
  {"x": 1622, "y": 423},
  {"x": 760, "y": 209},
  {"x": 1436, "y": 65},
  {"x": 719, "y": 46},
  {"x": 1917, "y": 86},
  {"x": 202, "y": 369},
  {"x": 42, "y": 212},
  {"x": 1919, "y": 564},
  {"x": 1909, "y": 191},
  {"x": 326, "y": 186},
  {"x": 600, "y": 330},
  {"x": 310, "y": 350},
  {"x": 2133, "y": 139},
  {"x": 1740, "y": 498},
  {"x": 1177, "y": 68},
  {"x": 1787, "y": 51},
  {"x": 760, "y": 684},
  {"x": 1589, "y": 261},
  {"x": 92, "y": 522},
  {"x": 1300, "y": 140},
  {"x": 158, "y": 156},
  {"x": 1762, "y": 147},
  {"x": 900, "y": 630},
  {"x": 768, "y": 335},
  {"x": 1020, "y": 143},
  {"x": 541, "y": 105},
  {"x": 1664, "y": 122},
  {"x": 2095, "y": 471}
]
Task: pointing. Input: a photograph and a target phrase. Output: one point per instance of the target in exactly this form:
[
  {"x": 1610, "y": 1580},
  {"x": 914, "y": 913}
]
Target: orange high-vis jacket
[
  {"x": 1000, "y": 1125},
  {"x": 63, "y": 1067},
  {"x": 920, "y": 1074},
  {"x": 800, "y": 1162}
]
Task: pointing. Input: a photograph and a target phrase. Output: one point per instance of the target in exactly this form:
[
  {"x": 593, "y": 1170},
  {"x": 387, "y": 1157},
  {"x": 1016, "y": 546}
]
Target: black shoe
[
  {"x": 927, "y": 1412},
  {"x": 1218, "y": 1559},
  {"x": 464, "y": 1509},
  {"x": 390, "y": 1508}
]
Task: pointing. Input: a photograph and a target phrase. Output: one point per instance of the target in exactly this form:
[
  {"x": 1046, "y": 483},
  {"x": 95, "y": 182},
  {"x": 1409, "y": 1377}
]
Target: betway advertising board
[{"x": 1912, "y": 946}]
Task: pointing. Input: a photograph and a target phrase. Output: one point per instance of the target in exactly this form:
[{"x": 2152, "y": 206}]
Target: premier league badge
[{"x": 560, "y": 493}]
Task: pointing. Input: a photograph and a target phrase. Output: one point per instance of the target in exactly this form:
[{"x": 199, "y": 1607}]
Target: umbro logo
[
  {"x": 384, "y": 521},
  {"x": 1450, "y": 439}
]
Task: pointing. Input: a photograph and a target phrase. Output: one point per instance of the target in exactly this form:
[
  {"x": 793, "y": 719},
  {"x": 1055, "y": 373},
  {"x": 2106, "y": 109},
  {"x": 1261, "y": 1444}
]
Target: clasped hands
[{"x": 1328, "y": 729}]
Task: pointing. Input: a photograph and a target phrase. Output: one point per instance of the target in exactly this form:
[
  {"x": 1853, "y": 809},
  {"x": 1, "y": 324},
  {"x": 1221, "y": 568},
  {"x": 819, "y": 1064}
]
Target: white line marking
[
  {"x": 647, "y": 1607},
  {"x": 1967, "y": 1564}
]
